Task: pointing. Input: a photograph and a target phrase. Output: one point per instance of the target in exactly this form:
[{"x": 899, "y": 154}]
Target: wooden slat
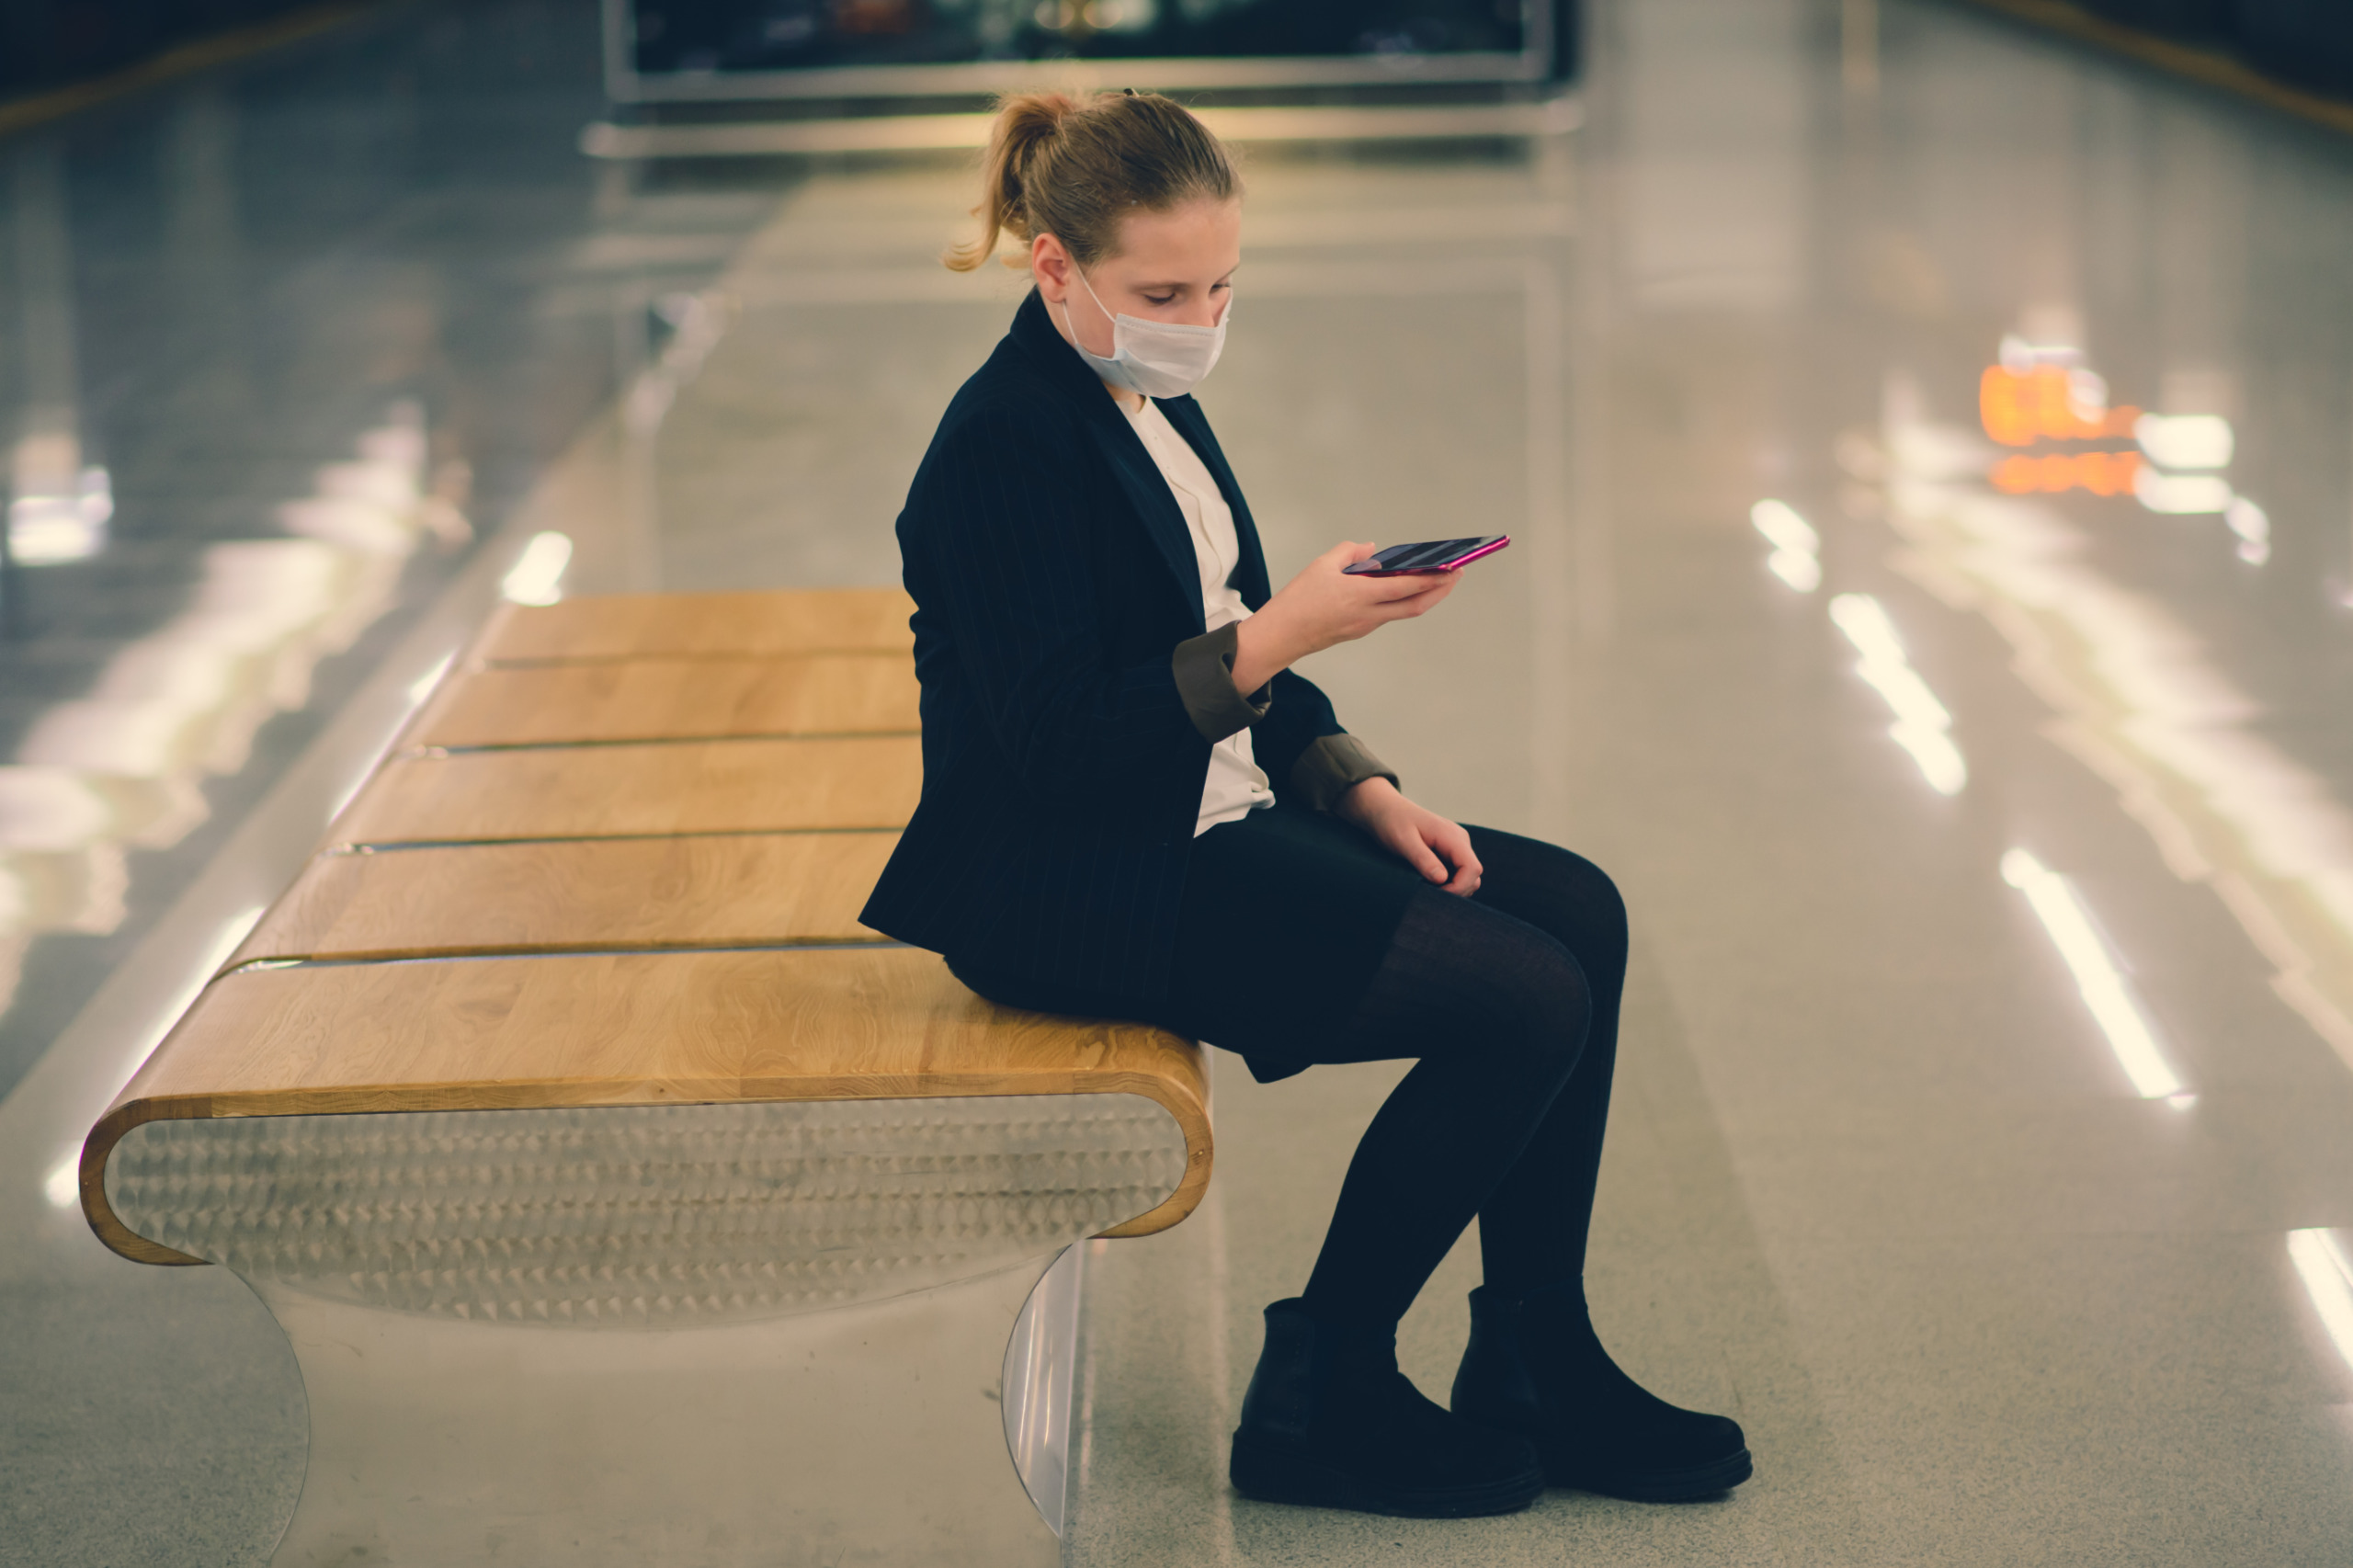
[
  {"x": 636, "y": 625},
  {"x": 731, "y": 891},
  {"x": 672, "y": 698},
  {"x": 661, "y": 1028},
  {"x": 755, "y": 786}
]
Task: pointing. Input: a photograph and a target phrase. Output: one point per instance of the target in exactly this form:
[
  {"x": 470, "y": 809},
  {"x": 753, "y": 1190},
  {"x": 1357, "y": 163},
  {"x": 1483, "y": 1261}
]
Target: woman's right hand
[{"x": 1323, "y": 606}]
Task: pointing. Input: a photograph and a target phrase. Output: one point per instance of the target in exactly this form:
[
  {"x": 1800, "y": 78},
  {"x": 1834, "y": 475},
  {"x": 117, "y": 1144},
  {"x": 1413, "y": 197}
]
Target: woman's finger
[
  {"x": 1452, "y": 841},
  {"x": 1408, "y": 846},
  {"x": 1419, "y": 602},
  {"x": 1418, "y": 584}
]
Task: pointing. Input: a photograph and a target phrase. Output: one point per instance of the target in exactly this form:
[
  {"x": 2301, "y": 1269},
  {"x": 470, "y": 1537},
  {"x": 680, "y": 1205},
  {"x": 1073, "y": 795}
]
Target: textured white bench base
[
  {"x": 673, "y": 1337},
  {"x": 860, "y": 1435}
]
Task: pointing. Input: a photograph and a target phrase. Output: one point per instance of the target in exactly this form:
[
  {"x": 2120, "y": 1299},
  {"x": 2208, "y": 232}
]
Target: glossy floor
[
  {"x": 272, "y": 340},
  {"x": 1984, "y": 1137}
]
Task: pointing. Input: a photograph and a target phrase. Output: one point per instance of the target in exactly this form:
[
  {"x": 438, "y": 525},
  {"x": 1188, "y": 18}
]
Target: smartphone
[{"x": 1430, "y": 555}]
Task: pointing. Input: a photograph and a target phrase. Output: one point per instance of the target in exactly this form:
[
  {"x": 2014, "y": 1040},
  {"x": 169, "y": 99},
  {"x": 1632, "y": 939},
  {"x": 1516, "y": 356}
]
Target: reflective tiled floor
[
  {"x": 1984, "y": 1140},
  {"x": 272, "y": 340}
]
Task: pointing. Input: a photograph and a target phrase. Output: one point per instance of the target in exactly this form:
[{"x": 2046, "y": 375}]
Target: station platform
[{"x": 1928, "y": 447}]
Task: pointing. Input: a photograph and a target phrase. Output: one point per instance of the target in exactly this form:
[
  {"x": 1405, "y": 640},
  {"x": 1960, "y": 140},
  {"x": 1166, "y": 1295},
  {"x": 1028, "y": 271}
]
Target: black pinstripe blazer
[{"x": 1053, "y": 577}]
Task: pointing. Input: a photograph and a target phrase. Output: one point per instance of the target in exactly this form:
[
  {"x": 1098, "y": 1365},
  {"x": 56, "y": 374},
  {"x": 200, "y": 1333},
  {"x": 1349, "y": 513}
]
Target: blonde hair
[{"x": 1073, "y": 165}]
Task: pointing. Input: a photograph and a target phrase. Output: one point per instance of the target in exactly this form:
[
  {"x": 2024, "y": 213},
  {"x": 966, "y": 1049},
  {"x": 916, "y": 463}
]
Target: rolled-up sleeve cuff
[
  {"x": 1334, "y": 765},
  {"x": 1204, "y": 670}
]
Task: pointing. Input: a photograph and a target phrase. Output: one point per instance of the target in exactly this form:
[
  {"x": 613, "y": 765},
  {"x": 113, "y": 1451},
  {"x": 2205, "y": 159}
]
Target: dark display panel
[{"x": 714, "y": 41}]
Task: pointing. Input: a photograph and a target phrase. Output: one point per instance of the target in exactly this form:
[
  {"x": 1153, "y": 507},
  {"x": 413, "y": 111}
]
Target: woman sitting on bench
[{"x": 1132, "y": 807}]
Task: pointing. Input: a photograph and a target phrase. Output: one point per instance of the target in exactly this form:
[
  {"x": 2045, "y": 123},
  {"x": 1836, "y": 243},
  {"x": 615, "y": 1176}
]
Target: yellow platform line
[
  {"x": 2205, "y": 67},
  {"x": 187, "y": 59}
]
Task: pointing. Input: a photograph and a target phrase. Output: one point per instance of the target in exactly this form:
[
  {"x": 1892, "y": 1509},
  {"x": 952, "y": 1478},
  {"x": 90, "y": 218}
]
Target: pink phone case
[{"x": 1463, "y": 560}]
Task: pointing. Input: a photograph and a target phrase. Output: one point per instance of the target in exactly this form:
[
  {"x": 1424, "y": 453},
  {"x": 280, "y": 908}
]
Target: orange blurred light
[
  {"x": 2021, "y": 408},
  {"x": 2102, "y": 474}
]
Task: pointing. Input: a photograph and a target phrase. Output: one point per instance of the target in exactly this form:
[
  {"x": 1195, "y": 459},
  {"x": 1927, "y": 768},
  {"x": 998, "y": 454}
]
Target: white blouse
[{"x": 1235, "y": 786}]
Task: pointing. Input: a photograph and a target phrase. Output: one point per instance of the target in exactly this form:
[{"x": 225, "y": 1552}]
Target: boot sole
[
  {"x": 1689, "y": 1485},
  {"x": 1278, "y": 1475}
]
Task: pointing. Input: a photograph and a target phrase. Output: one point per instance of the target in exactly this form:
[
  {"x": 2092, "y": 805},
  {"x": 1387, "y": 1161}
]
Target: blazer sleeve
[
  {"x": 1002, "y": 526},
  {"x": 1299, "y": 742}
]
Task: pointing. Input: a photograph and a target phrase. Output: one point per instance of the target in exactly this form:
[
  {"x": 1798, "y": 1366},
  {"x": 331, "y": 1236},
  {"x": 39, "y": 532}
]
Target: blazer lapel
[
  {"x": 1139, "y": 476},
  {"x": 1186, "y": 416},
  {"x": 1147, "y": 489}
]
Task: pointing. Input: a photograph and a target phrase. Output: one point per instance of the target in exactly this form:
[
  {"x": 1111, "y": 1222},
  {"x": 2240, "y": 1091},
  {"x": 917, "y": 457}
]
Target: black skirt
[{"x": 1287, "y": 914}]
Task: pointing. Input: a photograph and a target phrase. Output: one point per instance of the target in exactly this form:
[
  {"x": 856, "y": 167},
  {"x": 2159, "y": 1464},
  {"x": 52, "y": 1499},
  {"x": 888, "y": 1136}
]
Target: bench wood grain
[
  {"x": 622, "y": 1030},
  {"x": 731, "y": 891},
  {"x": 636, "y": 625},
  {"x": 604, "y": 792},
  {"x": 672, "y": 698}
]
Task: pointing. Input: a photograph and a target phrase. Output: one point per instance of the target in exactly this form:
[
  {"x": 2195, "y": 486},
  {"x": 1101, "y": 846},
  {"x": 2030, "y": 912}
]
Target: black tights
[{"x": 1509, "y": 998}]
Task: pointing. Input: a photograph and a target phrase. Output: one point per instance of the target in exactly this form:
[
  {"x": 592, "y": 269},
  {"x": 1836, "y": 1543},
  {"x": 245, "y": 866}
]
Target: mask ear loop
[{"x": 1079, "y": 272}]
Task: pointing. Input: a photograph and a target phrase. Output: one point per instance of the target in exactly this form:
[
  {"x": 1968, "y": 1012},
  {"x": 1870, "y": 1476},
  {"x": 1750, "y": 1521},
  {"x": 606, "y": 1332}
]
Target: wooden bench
[
  {"x": 714, "y": 697},
  {"x": 614, "y": 792},
  {"x": 642, "y": 625},
  {"x": 576, "y": 896},
  {"x": 624, "y": 1199}
]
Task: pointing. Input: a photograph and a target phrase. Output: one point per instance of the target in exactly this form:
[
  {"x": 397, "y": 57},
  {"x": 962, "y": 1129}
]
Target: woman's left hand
[{"x": 1415, "y": 834}]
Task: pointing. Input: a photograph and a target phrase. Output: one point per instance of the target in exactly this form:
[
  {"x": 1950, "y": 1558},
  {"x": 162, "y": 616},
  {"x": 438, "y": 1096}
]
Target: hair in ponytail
[{"x": 1073, "y": 165}]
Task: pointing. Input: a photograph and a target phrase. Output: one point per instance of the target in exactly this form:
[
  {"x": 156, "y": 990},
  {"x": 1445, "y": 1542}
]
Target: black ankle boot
[
  {"x": 1331, "y": 1422},
  {"x": 1535, "y": 1368}
]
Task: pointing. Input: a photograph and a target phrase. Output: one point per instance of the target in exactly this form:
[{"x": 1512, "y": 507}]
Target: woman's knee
[
  {"x": 1546, "y": 1006},
  {"x": 1556, "y": 890},
  {"x": 1597, "y": 897}
]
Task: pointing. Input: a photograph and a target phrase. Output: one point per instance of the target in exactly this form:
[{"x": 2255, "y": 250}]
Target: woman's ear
[{"x": 1051, "y": 266}]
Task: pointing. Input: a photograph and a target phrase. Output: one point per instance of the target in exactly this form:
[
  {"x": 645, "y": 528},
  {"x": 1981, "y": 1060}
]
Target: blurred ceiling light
[
  {"x": 2019, "y": 356},
  {"x": 1095, "y": 16},
  {"x": 2185, "y": 441},
  {"x": 1802, "y": 573},
  {"x": 2253, "y": 526},
  {"x": 187, "y": 698},
  {"x": 54, "y": 524},
  {"x": 1121, "y": 16},
  {"x": 537, "y": 576},
  {"x": 50, "y": 811},
  {"x": 2104, "y": 991},
  {"x": 2327, "y": 1275},
  {"x": 1923, "y": 727},
  {"x": 376, "y": 505},
  {"x": 2020, "y": 407},
  {"x": 2087, "y": 395},
  {"x": 2182, "y": 494},
  {"x": 1796, "y": 558},
  {"x": 2102, "y": 474},
  {"x": 1920, "y": 450}
]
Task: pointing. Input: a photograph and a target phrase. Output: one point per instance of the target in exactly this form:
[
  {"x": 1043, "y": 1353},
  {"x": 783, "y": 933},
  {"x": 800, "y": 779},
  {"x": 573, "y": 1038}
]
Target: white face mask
[{"x": 1157, "y": 359}]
